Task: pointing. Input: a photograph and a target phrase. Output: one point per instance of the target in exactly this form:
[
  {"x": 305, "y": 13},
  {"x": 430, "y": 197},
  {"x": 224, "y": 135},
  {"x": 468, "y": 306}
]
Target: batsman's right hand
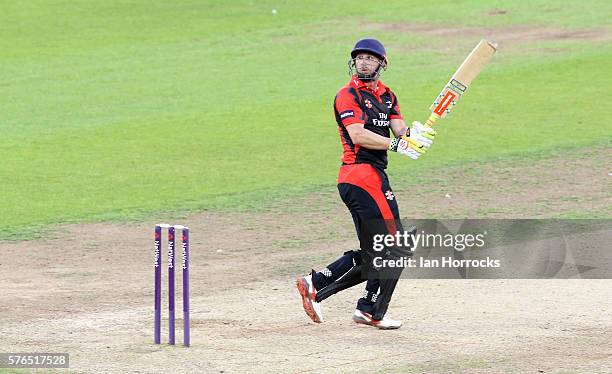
[{"x": 407, "y": 146}]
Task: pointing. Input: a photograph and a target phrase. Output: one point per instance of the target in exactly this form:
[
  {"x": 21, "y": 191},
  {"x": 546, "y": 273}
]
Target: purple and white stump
[
  {"x": 171, "y": 318},
  {"x": 186, "y": 286},
  {"x": 157, "y": 265}
]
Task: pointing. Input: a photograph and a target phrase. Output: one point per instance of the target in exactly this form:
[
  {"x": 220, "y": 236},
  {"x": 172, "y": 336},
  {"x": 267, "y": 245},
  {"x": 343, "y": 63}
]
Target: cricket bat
[{"x": 461, "y": 80}]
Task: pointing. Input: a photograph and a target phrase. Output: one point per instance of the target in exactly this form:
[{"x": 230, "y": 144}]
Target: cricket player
[{"x": 367, "y": 112}]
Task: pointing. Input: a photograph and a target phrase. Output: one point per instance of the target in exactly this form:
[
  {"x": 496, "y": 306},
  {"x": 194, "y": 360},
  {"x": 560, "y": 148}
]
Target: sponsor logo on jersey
[
  {"x": 346, "y": 114},
  {"x": 380, "y": 123}
]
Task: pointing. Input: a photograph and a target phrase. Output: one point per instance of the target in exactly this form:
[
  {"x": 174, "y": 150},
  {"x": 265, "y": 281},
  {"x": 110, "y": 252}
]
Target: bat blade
[{"x": 461, "y": 80}]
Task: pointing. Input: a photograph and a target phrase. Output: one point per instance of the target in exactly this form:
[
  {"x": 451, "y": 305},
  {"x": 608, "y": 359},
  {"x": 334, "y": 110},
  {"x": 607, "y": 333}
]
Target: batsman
[{"x": 367, "y": 112}]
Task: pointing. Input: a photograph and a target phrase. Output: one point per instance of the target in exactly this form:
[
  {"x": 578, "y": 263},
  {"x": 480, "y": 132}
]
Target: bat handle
[{"x": 431, "y": 120}]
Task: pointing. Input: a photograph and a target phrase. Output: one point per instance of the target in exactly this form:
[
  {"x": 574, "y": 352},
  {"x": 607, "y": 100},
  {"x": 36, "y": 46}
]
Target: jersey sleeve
[
  {"x": 347, "y": 107},
  {"x": 395, "y": 112}
]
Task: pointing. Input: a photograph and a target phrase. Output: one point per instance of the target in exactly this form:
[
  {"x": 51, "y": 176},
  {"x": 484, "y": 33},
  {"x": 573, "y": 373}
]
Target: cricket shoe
[
  {"x": 386, "y": 323},
  {"x": 308, "y": 293}
]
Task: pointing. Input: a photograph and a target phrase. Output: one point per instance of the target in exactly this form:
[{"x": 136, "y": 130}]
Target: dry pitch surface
[{"x": 88, "y": 291}]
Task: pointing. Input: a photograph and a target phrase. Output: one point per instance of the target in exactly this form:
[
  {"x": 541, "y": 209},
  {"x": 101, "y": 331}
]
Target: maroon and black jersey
[{"x": 356, "y": 103}]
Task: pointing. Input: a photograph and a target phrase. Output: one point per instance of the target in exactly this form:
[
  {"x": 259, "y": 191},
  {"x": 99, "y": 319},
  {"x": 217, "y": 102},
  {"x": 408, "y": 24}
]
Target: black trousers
[{"x": 366, "y": 192}]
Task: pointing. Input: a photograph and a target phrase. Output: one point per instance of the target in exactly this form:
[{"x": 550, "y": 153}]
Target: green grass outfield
[{"x": 122, "y": 109}]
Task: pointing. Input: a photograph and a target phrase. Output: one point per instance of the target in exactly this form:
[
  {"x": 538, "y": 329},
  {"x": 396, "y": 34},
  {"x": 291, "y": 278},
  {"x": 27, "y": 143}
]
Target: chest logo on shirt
[
  {"x": 368, "y": 104},
  {"x": 381, "y": 121},
  {"x": 389, "y": 195},
  {"x": 389, "y": 104}
]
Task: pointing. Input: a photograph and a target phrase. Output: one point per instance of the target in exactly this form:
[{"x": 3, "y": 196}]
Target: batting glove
[
  {"x": 421, "y": 133},
  {"x": 407, "y": 147}
]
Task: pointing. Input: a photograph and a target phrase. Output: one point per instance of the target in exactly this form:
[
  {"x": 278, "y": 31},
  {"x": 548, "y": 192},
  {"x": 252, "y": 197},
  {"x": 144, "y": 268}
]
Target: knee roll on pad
[
  {"x": 349, "y": 279},
  {"x": 356, "y": 255}
]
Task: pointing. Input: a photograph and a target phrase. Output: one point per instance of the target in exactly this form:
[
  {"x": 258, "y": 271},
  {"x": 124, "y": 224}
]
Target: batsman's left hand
[{"x": 421, "y": 133}]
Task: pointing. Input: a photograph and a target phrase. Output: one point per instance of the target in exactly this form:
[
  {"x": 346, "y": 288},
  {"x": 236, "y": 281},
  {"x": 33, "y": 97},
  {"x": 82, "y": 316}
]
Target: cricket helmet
[
  {"x": 374, "y": 47},
  {"x": 370, "y": 46}
]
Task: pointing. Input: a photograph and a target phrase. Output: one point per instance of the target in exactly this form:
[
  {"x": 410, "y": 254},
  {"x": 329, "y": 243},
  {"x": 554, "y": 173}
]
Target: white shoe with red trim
[
  {"x": 386, "y": 323},
  {"x": 308, "y": 293}
]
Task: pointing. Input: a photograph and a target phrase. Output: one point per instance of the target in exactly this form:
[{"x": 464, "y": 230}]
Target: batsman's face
[{"x": 366, "y": 63}]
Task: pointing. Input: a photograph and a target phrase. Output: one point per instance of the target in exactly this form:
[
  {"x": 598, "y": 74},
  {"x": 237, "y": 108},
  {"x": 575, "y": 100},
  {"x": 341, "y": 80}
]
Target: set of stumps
[{"x": 185, "y": 265}]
